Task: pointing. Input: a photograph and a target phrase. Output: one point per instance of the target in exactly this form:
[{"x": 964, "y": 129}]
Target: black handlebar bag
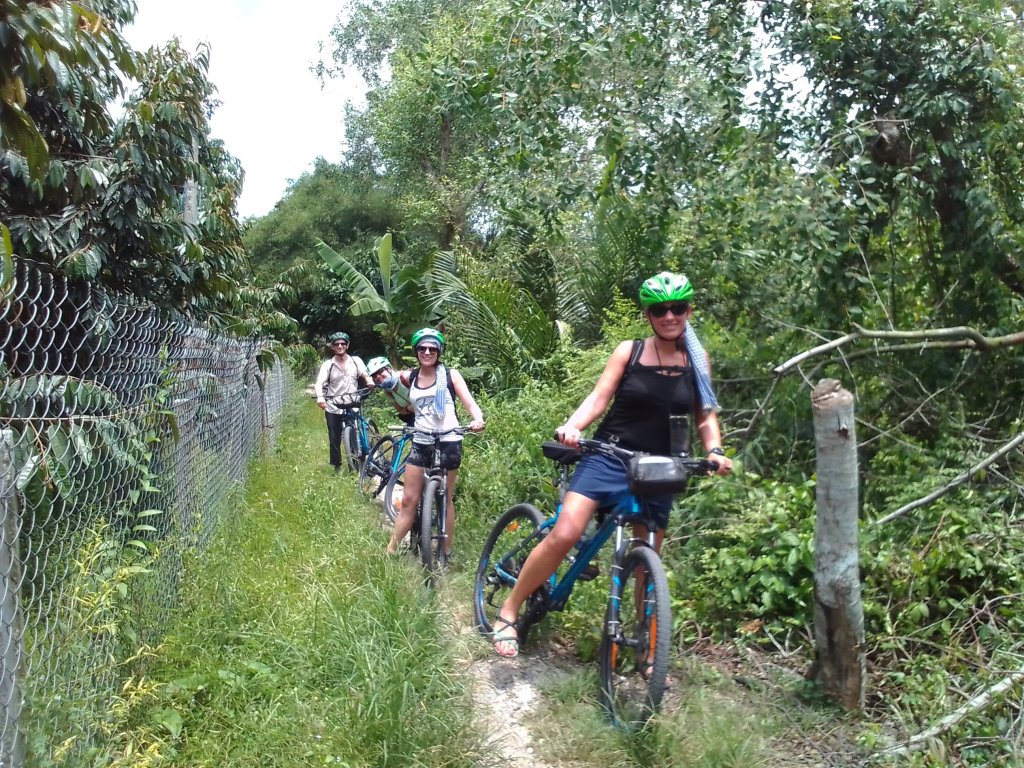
[{"x": 657, "y": 475}]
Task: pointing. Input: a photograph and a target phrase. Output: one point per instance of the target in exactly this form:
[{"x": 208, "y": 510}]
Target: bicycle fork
[{"x": 614, "y": 620}]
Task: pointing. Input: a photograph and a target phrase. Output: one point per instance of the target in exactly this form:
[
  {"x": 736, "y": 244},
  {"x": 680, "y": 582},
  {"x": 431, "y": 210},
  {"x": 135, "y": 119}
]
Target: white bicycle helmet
[{"x": 377, "y": 364}]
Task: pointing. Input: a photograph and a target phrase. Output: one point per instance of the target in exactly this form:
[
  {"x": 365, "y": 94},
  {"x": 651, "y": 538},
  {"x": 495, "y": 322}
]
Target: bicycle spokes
[{"x": 636, "y": 639}]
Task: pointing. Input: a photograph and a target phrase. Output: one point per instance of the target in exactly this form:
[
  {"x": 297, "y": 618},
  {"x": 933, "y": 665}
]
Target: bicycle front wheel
[
  {"x": 393, "y": 494},
  {"x": 431, "y": 547},
  {"x": 635, "y": 649},
  {"x": 376, "y": 470},
  {"x": 516, "y": 534}
]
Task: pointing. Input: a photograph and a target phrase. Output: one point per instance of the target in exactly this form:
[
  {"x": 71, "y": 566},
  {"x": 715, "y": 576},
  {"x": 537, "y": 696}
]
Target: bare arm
[
  {"x": 466, "y": 398},
  {"x": 362, "y": 374},
  {"x": 596, "y": 402},
  {"x": 711, "y": 436}
]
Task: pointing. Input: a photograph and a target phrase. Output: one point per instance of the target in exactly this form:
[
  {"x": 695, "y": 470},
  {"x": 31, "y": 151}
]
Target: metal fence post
[{"x": 12, "y": 747}]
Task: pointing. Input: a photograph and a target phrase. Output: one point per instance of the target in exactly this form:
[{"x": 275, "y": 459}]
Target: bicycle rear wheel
[
  {"x": 635, "y": 654},
  {"x": 513, "y": 538},
  {"x": 430, "y": 547},
  {"x": 393, "y": 493},
  {"x": 376, "y": 470}
]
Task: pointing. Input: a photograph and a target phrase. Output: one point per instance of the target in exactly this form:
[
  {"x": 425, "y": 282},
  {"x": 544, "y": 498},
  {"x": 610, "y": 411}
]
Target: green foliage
[
  {"x": 393, "y": 294},
  {"x": 143, "y": 203},
  {"x": 745, "y": 555},
  {"x": 94, "y": 629}
]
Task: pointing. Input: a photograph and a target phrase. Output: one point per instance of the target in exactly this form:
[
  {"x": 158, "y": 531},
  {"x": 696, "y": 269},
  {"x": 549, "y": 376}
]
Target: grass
[{"x": 297, "y": 642}]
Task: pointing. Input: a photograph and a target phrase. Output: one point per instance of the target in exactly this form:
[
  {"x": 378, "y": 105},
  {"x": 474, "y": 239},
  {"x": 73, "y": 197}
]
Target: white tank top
[{"x": 427, "y": 417}]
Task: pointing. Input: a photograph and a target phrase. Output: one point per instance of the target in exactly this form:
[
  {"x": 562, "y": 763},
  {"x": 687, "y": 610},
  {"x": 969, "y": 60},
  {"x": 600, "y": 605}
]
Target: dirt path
[{"x": 507, "y": 693}]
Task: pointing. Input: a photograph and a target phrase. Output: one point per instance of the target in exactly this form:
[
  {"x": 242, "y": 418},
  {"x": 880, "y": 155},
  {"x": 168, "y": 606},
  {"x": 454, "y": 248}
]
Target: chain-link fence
[{"x": 123, "y": 433}]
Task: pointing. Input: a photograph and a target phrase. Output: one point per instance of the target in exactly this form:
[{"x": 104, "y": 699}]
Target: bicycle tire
[
  {"x": 428, "y": 541},
  {"x": 510, "y": 542},
  {"x": 393, "y": 493},
  {"x": 441, "y": 503},
  {"x": 634, "y": 661},
  {"x": 350, "y": 449},
  {"x": 376, "y": 469}
]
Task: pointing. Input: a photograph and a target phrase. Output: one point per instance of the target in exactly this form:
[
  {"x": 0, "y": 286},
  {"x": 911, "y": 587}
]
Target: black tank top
[{"x": 646, "y": 396}]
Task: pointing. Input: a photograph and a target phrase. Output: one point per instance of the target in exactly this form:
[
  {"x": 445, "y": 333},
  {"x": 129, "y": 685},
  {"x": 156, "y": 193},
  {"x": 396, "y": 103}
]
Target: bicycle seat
[{"x": 563, "y": 454}]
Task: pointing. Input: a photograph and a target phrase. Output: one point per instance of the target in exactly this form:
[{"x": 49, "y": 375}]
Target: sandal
[
  {"x": 647, "y": 671},
  {"x": 502, "y": 637}
]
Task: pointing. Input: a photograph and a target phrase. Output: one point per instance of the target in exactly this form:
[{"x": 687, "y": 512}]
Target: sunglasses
[
  {"x": 660, "y": 310},
  {"x": 426, "y": 350}
]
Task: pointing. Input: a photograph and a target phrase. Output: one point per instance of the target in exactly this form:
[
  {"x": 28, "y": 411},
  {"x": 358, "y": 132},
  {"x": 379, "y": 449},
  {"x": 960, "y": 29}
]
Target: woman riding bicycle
[
  {"x": 645, "y": 381},
  {"x": 431, "y": 390},
  {"x": 380, "y": 371}
]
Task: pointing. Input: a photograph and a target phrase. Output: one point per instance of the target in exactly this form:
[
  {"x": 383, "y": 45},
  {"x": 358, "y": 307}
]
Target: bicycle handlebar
[
  {"x": 692, "y": 465},
  {"x": 352, "y": 399},
  {"x": 436, "y": 433}
]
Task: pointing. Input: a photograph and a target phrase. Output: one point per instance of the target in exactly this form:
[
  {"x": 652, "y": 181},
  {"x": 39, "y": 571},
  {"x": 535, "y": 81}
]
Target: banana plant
[{"x": 398, "y": 301}]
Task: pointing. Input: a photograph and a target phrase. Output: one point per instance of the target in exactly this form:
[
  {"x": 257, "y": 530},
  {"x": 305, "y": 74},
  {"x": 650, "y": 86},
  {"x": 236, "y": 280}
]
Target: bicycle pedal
[{"x": 591, "y": 572}]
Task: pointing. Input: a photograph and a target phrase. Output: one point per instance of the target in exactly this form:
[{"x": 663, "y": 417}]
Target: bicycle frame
[
  {"x": 352, "y": 413},
  {"x": 436, "y": 472},
  {"x": 400, "y": 453},
  {"x": 622, "y": 510}
]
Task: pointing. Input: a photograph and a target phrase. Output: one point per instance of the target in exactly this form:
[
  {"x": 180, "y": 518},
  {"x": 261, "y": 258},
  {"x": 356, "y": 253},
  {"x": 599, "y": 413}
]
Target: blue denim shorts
[{"x": 599, "y": 477}]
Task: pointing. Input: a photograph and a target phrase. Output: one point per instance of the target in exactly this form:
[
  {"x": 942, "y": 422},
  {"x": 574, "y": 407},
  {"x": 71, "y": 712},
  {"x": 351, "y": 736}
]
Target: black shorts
[
  {"x": 407, "y": 418},
  {"x": 423, "y": 455}
]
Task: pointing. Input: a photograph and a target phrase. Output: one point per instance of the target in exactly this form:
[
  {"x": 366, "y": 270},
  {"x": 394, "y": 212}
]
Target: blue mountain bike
[
  {"x": 358, "y": 432},
  {"x": 637, "y": 630},
  {"x": 384, "y": 459}
]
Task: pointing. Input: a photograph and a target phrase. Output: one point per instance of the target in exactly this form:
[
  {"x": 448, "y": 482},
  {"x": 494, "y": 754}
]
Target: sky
[{"x": 274, "y": 117}]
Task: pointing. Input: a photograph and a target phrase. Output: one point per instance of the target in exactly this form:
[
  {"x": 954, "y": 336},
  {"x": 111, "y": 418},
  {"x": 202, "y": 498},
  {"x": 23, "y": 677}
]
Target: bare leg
[
  {"x": 407, "y": 514},
  {"x": 542, "y": 562}
]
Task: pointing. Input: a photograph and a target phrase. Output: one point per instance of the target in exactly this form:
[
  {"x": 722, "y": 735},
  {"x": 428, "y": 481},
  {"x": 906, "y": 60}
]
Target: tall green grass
[{"x": 297, "y": 642}]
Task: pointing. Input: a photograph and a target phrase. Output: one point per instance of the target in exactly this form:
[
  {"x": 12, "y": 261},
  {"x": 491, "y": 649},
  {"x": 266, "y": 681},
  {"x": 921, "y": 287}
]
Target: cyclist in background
[
  {"x": 432, "y": 390},
  {"x": 380, "y": 371},
  {"x": 339, "y": 376},
  {"x": 645, "y": 381}
]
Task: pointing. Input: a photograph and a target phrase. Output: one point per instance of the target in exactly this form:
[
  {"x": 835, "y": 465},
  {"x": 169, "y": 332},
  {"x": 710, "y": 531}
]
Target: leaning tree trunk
[{"x": 838, "y": 614}]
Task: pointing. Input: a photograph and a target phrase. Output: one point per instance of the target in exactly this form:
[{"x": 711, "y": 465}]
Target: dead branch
[
  {"x": 966, "y": 337},
  {"x": 972, "y": 706},
  {"x": 957, "y": 481}
]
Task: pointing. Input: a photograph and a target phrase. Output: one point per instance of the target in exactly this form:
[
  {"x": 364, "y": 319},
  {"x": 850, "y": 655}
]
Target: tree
[
  {"x": 913, "y": 111},
  {"x": 102, "y": 199}
]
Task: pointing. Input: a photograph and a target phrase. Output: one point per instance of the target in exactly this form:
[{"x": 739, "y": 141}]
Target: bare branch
[
  {"x": 957, "y": 481},
  {"x": 960, "y": 336},
  {"x": 972, "y": 706}
]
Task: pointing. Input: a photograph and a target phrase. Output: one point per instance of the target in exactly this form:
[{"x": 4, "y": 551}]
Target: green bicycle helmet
[
  {"x": 377, "y": 364},
  {"x": 427, "y": 334},
  {"x": 665, "y": 286},
  {"x": 339, "y": 336}
]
